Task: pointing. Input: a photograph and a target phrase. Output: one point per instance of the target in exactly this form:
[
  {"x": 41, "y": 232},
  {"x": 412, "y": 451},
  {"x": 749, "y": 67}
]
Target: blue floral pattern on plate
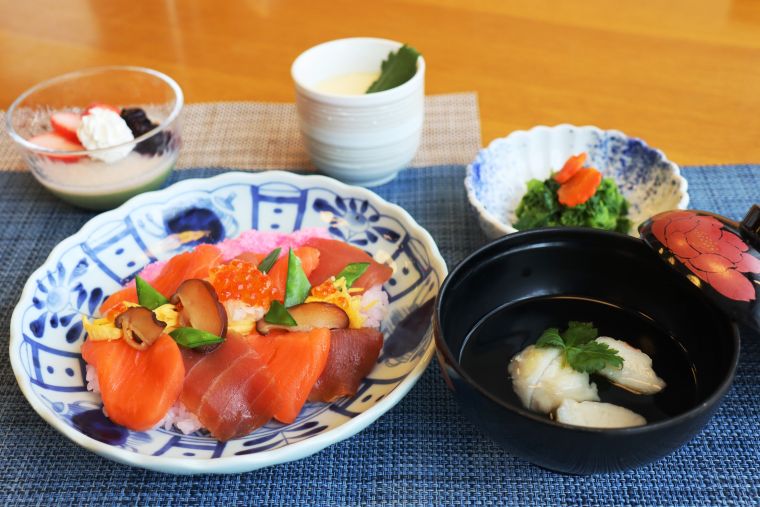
[{"x": 112, "y": 248}]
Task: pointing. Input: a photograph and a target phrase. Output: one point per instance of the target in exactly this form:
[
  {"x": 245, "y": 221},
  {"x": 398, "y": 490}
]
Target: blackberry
[{"x": 139, "y": 123}]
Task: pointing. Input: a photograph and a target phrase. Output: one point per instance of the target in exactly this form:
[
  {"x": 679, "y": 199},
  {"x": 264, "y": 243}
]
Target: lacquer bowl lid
[{"x": 718, "y": 255}]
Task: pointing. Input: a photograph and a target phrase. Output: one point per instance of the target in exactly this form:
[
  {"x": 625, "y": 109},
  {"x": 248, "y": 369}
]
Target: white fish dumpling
[
  {"x": 636, "y": 374},
  {"x": 592, "y": 414},
  {"x": 542, "y": 380}
]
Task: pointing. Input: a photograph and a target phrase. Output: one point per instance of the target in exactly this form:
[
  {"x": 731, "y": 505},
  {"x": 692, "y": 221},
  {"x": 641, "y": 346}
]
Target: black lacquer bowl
[{"x": 504, "y": 294}]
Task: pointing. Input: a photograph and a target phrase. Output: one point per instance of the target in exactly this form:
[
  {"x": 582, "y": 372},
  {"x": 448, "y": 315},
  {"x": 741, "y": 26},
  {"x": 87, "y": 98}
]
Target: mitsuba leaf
[
  {"x": 190, "y": 337},
  {"x": 267, "y": 262},
  {"x": 352, "y": 272},
  {"x": 592, "y": 357},
  {"x": 551, "y": 338},
  {"x": 147, "y": 296},
  {"x": 579, "y": 348},
  {"x": 578, "y": 333}
]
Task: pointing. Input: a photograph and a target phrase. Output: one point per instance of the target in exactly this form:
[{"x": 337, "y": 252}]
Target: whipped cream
[{"x": 103, "y": 128}]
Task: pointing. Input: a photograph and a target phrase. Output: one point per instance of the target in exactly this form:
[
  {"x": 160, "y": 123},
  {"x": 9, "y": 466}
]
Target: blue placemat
[{"x": 423, "y": 452}]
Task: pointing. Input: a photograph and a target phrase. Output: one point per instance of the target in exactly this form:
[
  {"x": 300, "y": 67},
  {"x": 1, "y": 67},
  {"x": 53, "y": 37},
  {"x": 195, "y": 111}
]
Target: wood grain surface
[{"x": 682, "y": 74}]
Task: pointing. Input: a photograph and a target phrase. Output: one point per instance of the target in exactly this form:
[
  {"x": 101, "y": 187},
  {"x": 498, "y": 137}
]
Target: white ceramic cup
[{"x": 360, "y": 139}]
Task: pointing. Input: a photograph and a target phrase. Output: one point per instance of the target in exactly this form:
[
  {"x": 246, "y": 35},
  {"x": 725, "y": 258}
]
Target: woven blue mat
[{"x": 422, "y": 452}]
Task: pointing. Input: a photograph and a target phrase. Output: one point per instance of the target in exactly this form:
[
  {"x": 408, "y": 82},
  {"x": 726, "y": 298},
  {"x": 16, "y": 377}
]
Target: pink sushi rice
[{"x": 250, "y": 241}]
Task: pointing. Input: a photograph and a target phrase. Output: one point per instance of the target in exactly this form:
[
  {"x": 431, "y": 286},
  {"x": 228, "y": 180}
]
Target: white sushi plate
[{"x": 46, "y": 328}]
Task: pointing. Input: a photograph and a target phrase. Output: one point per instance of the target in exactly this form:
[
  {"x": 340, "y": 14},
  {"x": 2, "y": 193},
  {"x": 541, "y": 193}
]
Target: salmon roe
[
  {"x": 242, "y": 281},
  {"x": 324, "y": 289},
  {"x": 116, "y": 310}
]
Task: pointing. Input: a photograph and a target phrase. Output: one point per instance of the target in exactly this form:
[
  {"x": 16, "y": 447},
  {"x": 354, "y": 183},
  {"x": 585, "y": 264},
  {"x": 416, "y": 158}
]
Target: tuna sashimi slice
[
  {"x": 335, "y": 255},
  {"x": 297, "y": 361},
  {"x": 248, "y": 380},
  {"x": 204, "y": 369},
  {"x": 193, "y": 264},
  {"x": 218, "y": 388},
  {"x": 137, "y": 386},
  {"x": 240, "y": 399},
  {"x": 353, "y": 354}
]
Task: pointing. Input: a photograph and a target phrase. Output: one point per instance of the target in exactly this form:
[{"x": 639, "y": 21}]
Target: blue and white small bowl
[
  {"x": 497, "y": 179},
  {"x": 47, "y": 334}
]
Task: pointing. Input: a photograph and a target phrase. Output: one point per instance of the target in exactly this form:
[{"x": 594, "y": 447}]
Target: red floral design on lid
[{"x": 715, "y": 255}]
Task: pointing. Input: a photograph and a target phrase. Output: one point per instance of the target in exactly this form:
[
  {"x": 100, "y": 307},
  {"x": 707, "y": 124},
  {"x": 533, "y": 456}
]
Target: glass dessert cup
[{"x": 106, "y": 177}]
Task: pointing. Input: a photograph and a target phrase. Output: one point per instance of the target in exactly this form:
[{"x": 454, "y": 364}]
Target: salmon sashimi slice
[
  {"x": 253, "y": 258},
  {"x": 138, "y": 387},
  {"x": 193, "y": 264},
  {"x": 279, "y": 273},
  {"x": 353, "y": 354},
  {"x": 335, "y": 255},
  {"x": 297, "y": 361}
]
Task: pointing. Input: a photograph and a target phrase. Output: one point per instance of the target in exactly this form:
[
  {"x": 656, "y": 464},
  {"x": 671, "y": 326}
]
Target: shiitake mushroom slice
[
  {"x": 309, "y": 316},
  {"x": 198, "y": 307},
  {"x": 140, "y": 327}
]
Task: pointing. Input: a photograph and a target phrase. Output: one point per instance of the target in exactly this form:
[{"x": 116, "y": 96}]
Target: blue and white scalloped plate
[
  {"x": 46, "y": 328},
  {"x": 498, "y": 178}
]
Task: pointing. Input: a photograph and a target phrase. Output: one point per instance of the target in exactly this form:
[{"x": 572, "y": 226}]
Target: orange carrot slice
[
  {"x": 580, "y": 188},
  {"x": 137, "y": 386},
  {"x": 572, "y": 166}
]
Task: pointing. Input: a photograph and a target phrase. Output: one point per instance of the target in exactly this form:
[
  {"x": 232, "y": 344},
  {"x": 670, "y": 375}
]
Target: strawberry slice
[
  {"x": 53, "y": 141},
  {"x": 66, "y": 124},
  {"x": 572, "y": 166},
  {"x": 102, "y": 105},
  {"x": 580, "y": 188}
]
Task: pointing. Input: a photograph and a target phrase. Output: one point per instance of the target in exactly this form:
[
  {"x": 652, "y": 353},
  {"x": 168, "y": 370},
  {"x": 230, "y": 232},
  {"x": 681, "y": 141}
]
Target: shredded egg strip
[{"x": 342, "y": 298}]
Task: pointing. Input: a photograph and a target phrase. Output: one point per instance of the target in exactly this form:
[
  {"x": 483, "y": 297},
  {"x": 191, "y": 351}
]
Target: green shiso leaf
[
  {"x": 352, "y": 272},
  {"x": 396, "y": 70},
  {"x": 147, "y": 296}
]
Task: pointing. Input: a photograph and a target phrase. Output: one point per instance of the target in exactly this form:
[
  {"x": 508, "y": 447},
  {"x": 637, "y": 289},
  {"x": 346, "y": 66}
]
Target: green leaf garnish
[
  {"x": 579, "y": 333},
  {"x": 399, "y": 68},
  {"x": 352, "y": 272},
  {"x": 297, "y": 287},
  {"x": 539, "y": 207},
  {"x": 267, "y": 262},
  {"x": 147, "y": 296},
  {"x": 592, "y": 357},
  {"x": 580, "y": 350},
  {"x": 278, "y": 314},
  {"x": 190, "y": 337},
  {"x": 551, "y": 338}
]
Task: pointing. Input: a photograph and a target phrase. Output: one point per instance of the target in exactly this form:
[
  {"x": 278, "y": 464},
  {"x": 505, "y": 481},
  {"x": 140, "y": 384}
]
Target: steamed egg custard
[
  {"x": 546, "y": 354},
  {"x": 353, "y": 83}
]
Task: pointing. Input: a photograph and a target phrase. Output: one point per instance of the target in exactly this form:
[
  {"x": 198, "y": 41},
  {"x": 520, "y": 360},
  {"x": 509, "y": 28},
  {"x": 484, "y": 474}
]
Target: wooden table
[{"x": 682, "y": 74}]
